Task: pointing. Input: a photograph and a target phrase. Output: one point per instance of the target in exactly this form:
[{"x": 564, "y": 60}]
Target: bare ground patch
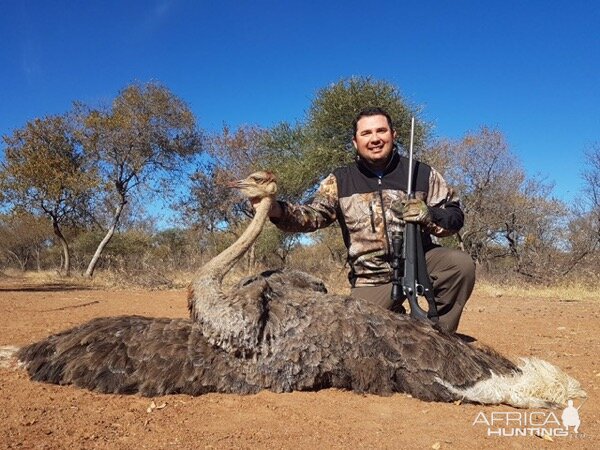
[{"x": 35, "y": 415}]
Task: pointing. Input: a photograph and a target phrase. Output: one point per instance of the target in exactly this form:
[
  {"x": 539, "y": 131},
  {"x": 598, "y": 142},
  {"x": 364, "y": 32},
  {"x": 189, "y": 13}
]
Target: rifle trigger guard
[{"x": 420, "y": 289}]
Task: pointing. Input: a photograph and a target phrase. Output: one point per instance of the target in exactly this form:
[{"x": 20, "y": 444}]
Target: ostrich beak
[{"x": 238, "y": 184}]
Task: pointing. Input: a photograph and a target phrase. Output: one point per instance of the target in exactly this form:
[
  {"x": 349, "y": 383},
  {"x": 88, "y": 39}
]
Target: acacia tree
[
  {"x": 507, "y": 214},
  {"x": 23, "y": 237},
  {"x": 591, "y": 177},
  {"x": 233, "y": 155},
  {"x": 46, "y": 171},
  {"x": 140, "y": 142},
  {"x": 299, "y": 154},
  {"x": 216, "y": 208},
  {"x": 305, "y": 153},
  {"x": 584, "y": 228},
  {"x": 334, "y": 108},
  {"x": 487, "y": 177}
]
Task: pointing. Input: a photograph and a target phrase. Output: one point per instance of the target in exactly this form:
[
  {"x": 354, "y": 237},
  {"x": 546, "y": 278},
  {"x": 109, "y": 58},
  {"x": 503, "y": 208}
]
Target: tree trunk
[
  {"x": 66, "y": 265},
  {"x": 22, "y": 264},
  {"x": 109, "y": 234},
  {"x": 37, "y": 259}
]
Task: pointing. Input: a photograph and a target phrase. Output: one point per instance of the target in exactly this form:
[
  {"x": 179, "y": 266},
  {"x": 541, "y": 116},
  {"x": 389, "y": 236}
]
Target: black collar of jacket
[{"x": 391, "y": 165}]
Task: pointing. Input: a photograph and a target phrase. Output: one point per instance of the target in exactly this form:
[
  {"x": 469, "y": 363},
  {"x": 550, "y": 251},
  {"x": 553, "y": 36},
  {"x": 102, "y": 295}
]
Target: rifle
[{"x": 409, "y": 249}]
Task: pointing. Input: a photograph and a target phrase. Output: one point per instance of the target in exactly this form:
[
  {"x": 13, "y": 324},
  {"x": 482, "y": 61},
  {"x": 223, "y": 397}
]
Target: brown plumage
[{"x": 277, "y": 330}]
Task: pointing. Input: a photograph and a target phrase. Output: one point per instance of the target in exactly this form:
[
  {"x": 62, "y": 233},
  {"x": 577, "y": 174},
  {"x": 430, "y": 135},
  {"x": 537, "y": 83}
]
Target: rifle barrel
[{"x": 409, "y": 192}]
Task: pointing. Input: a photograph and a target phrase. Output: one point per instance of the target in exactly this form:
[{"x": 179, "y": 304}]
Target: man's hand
[
  {"x": 416, "y": 210},
  {"x": 275, "y": 212}
]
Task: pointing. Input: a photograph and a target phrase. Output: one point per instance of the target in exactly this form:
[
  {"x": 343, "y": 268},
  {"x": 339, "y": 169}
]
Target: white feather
[
  {"x": 540, "y": 384},
  {"x": 6, "y": 355}
]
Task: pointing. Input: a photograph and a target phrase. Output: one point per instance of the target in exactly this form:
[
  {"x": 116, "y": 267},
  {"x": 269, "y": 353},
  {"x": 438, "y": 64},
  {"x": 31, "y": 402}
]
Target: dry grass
[
  {"x": 46, "y": 277},
  {"x": 103, "y": 279},
  {"x": 336, "y": 282},
  {"x": 571, "y": 291}
]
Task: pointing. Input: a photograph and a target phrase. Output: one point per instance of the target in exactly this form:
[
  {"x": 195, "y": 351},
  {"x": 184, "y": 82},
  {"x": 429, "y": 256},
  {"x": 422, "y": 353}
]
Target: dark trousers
[{"x": 453, "y": 275}]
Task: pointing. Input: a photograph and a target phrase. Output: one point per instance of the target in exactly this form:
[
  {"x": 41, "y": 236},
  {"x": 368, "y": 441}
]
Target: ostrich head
[{"x": 257, "y": 186}]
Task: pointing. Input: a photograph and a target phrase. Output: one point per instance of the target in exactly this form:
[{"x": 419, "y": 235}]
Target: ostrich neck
[
  {"x": 218, "y": 267},
  {"x": 224, "y": 321}
]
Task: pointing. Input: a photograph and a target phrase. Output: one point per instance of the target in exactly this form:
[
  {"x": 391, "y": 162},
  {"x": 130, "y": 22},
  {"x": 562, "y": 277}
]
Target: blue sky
[{"x": 529, "y": 68}]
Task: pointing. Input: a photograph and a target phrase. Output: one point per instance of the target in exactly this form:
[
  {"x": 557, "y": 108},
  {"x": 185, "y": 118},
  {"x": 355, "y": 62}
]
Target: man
[{"x": 368, "y": 199}]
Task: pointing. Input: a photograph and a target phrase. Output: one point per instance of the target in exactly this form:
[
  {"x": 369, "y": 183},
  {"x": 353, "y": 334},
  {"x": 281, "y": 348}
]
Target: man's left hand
[{"x": 416, "y": 210}]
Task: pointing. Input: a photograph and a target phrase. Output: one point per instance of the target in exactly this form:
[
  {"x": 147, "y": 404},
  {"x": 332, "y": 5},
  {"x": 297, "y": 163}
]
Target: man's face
[{"x": 374, "y": 140}]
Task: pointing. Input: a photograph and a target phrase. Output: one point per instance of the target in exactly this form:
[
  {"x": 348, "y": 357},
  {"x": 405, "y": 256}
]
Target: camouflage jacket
[{"x": 368, "y": 208}]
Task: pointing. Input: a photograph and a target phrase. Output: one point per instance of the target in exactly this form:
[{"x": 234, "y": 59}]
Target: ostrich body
[{"x": 281, "y": 331}]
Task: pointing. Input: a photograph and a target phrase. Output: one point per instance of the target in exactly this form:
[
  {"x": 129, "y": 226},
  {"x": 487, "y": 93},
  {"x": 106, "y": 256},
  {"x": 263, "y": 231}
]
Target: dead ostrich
[{"x": 283, "y": 332}]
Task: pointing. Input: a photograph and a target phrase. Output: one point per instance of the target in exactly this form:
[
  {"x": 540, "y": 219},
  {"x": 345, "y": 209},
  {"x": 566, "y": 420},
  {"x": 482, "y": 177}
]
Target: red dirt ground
[{"x": 35, "y": 415}]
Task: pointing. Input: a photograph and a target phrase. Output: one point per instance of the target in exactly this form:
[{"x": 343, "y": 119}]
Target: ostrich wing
[
  {"x": 131, "y": 354},
  {"x": 312, "y": 340}
]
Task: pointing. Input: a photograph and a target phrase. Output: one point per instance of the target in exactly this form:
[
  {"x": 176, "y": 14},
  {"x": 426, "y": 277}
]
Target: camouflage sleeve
[
  {"x": 444, "y": 205},
  {"x": 319, "y": 213}
]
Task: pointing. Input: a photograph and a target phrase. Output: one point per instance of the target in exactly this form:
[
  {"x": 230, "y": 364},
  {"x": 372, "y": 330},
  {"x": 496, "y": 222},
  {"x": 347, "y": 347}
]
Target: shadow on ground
[
  {"x": 45, "y": 287},
  {"x": 466, "y": 338}
]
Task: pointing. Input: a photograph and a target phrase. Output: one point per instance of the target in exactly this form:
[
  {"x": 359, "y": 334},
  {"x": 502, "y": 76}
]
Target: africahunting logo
[{"x": 544, "y": 424}]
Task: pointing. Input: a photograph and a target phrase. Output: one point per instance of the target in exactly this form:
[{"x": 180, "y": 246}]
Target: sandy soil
[{"x": 35, "y": 415}]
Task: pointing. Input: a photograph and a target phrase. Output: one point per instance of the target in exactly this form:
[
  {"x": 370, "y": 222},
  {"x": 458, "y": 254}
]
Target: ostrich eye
[{"x": 260, "y": 178}]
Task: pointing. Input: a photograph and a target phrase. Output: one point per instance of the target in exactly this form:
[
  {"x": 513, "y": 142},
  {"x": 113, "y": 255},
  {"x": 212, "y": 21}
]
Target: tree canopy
[
  {"x": 305, "y": 153},
  {"x": 143, "y": 139},
  {"x": 46, "y": 171},
  {"x": 92, "y": 170}
]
